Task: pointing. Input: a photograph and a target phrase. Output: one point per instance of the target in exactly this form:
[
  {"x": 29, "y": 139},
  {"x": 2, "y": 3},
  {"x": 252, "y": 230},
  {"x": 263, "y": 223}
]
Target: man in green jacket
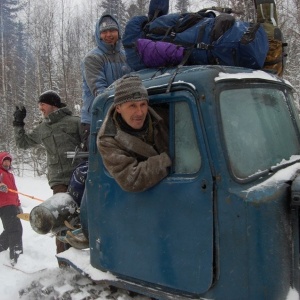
[{"x": 59, "y": 132}]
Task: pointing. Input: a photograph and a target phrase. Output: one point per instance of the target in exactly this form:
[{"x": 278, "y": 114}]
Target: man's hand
[
  {"x": 19, "y": 116},
  {"x": 3, "y": 188},
  {"x": 19, "y": 210}
]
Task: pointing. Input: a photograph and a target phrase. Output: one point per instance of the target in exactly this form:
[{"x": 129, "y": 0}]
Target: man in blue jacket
[{"x": 101, "y": 66}]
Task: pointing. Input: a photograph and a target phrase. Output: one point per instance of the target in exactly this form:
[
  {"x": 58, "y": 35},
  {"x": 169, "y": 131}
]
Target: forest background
[{"x": 42, "y": 43}]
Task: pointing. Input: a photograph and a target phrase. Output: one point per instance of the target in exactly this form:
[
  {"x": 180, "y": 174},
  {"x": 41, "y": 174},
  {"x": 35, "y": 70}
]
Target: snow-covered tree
[
  {"x": 11, "y": 64},
  {"x": 138, "y": 8},
  {"x": 182, "y": 6},
  {"x": 117, "y": 9}
]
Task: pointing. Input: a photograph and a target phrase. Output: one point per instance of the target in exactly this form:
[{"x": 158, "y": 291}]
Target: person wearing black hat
[
  {"x": 59, "y": 132},
  {"x": 133, "y": 139},
  {"x": 49, "y": 102},
  {"x": 101, "y": 66}
]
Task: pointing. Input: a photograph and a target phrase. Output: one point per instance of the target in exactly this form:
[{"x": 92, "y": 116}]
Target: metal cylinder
[{"x": 50, "y": 215}]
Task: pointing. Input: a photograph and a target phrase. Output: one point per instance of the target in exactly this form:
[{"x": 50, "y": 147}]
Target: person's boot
[
  {"x": 77, "y": 239},
  {"x": 14, "y": 254},
  {"x": 13, "y": 261}
]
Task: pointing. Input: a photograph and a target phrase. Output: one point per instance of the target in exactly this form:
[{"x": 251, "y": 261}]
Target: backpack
[
  {"x": 204, "y": 39},
  {"x": 266, "y": 14}
]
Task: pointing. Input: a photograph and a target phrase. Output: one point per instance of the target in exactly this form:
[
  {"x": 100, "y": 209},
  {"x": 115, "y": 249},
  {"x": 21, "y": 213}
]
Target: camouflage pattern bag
[{"x": 267, "y": 16}]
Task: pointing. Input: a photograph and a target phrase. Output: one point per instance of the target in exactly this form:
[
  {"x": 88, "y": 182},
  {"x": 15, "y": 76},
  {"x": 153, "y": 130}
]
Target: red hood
[{"x": 4, "y": 155}]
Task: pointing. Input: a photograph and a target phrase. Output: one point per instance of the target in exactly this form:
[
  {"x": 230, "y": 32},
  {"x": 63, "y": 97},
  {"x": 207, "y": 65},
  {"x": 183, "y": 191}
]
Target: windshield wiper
[{"x": 283, "y": 165}]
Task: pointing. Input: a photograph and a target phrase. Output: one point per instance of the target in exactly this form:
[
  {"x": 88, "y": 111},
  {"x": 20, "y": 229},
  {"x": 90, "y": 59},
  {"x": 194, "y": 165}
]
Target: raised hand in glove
[
  {"x": 3, "y": 188},
  {"x": 19, "y": 116}
]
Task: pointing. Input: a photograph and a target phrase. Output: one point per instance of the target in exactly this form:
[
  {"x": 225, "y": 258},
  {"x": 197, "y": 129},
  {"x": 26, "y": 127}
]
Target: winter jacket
[
  {"x": 7, "y": 178},
  {"x": 100, "y": 68},
  {"x": 135, "y": 164},
  {"x": 58, "y": 133}
]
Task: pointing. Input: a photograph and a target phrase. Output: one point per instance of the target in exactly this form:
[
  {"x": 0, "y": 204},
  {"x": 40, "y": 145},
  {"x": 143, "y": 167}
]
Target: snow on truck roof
[{"x": 257, "y": 74}]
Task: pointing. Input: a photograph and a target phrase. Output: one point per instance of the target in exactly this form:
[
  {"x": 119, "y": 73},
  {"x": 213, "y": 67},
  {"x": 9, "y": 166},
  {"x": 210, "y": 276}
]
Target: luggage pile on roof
[{"x": 208, "y": 37}]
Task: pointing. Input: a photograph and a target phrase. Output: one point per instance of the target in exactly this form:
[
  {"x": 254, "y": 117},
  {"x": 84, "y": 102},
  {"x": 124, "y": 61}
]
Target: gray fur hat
[{"x": 130, "y": 88}]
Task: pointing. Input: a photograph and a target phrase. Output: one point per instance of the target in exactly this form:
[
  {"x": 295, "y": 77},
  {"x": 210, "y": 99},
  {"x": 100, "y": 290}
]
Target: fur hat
[
  {"x": 130, "y": 88},
  {"x": 51, "y": 98},
  {"x": 108, "y": 23}
]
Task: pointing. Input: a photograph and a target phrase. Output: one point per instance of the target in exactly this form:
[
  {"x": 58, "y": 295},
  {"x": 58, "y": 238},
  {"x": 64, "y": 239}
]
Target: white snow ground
[{"x": 39, "y": 254}]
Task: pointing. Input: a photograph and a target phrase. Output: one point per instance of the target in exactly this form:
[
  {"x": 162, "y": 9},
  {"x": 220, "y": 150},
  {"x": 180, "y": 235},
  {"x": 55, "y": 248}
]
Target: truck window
[
  {"x": 258, "y": 130},
  {"x": 187, "y": 158}
]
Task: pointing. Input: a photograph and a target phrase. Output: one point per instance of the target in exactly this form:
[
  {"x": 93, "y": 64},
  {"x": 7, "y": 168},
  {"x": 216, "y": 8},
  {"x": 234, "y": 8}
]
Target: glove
[
  {"x": 19, "y": 116},
  {"x": 3, "y": 188},
  {"x": 19, "y": 210},
  {"x": 85, "y": 132}
]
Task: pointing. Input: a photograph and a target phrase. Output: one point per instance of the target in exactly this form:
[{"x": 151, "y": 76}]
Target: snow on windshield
[{"x": 281, "y": 176}]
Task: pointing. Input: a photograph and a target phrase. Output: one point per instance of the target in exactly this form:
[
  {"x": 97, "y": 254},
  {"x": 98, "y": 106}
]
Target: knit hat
[
  {"x": 108, "y": 23},
  {"x": 129, "y": 88},
  {"x": 51, "y": 98}
]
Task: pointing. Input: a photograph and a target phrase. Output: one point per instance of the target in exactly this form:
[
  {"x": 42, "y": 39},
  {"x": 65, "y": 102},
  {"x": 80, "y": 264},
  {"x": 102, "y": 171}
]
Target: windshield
[{"x": 258, "y": 129}]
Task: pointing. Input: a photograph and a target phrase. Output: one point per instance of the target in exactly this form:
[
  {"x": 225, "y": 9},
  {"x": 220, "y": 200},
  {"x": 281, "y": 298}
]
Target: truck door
[{"x": 162, "y": 237}]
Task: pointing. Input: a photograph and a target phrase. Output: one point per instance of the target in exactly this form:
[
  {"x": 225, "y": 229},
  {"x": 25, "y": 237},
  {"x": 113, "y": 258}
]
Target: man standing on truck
[
  {"x": 59, "y": 132},
  {"x": 101, "y": 67},
  {"x": 133, "y": 139}
]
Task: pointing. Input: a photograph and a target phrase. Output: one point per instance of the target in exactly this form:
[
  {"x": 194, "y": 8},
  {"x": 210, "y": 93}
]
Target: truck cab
[{"x": 224, "y": 224}]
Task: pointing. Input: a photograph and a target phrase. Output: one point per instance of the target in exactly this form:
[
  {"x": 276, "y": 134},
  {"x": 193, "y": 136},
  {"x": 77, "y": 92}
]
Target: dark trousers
[
  {"x": 60, "y": 246},
  {"x": 11, "y": 237}
]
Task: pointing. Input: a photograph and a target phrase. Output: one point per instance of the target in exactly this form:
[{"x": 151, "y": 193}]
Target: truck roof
[{"x": 202, "y": 74}]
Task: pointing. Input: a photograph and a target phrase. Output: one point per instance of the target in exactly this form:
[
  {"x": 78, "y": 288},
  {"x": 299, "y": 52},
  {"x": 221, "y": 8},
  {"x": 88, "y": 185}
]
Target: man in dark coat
[{"x": 133, "y": 140}]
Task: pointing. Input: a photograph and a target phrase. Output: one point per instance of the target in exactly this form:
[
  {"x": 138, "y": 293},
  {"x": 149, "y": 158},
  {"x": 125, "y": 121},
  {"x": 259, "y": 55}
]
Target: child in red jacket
[{"x": 11, "y": 237}]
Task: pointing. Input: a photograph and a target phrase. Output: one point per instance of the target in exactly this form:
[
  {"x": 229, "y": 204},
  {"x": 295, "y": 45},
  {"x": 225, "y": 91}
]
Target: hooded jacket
[
  {"x": 59, "y": 133},
  {"x": 134, "y": 164},
  {"x": 7, "y": 178},
  {"x": 100, "y": 68}
]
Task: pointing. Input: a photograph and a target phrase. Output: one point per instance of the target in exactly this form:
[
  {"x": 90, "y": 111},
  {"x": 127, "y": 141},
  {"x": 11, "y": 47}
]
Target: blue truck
[{"x": 224, "y": 224}]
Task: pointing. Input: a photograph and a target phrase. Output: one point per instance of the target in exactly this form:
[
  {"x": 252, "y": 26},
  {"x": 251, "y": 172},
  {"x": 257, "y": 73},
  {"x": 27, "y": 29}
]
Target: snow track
[{"x": 68, "y": 284}]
